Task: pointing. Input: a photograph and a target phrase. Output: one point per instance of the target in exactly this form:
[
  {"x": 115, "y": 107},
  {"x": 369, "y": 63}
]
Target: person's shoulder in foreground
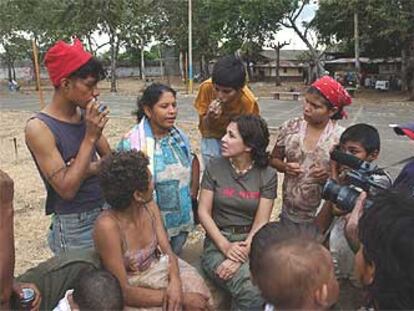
[{"x": 406, "y": 177}]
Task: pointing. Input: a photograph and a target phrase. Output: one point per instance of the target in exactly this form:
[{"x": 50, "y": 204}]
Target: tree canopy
[
  {"x": 219, "y": 26},
  {"x": 384, "y": 25}
]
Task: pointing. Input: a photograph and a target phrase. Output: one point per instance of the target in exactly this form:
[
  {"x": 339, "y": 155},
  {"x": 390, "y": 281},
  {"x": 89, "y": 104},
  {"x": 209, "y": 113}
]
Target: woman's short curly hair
[
  {"x": 255, "y": 133},
  {"x": 122, "y": 174}
]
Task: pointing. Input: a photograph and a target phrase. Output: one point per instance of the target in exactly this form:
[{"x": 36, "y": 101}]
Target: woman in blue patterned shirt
[{"x": 174, "y": 167}]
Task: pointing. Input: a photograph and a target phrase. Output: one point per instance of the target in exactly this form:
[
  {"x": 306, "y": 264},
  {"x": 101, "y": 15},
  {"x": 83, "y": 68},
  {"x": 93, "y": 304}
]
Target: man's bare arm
[
  {"x": 65, "y": 179},
  {"x": 102, "y": 146}
]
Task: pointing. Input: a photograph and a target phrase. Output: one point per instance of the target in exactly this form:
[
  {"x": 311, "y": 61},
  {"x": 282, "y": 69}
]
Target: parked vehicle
[{"x": 382, "y": 85}]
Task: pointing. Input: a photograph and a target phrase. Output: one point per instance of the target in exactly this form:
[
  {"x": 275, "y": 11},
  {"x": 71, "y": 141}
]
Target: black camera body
[{"x": 360, "y": 179}]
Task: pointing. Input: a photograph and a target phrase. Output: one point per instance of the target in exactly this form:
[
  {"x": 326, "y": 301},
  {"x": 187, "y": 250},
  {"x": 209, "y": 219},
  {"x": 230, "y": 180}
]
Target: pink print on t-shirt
[{"x": 231, "y": 192}]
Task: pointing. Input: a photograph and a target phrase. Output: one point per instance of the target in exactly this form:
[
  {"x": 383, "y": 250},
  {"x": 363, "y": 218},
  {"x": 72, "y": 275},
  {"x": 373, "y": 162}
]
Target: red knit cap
[
  {"x": 334, "y": 92},
  {"x": 62, "y": 59}
]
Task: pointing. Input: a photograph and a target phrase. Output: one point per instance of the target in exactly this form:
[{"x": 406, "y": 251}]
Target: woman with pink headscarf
[{"x": 302, "y": 149}]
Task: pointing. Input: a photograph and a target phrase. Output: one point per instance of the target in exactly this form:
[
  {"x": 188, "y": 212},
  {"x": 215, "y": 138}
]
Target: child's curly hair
[{"x": 122, "y": 174}]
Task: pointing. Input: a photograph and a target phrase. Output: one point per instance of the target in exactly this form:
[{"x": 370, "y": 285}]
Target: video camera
[{"x": 361, "y": 176}]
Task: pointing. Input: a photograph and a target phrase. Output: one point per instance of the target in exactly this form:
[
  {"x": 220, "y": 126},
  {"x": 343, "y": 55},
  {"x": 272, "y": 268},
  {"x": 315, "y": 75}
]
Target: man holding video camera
[
  {"x": 353, "y": 170},
  {"x": 404, "y": 182},
  {"x": 64, "y": 139}
]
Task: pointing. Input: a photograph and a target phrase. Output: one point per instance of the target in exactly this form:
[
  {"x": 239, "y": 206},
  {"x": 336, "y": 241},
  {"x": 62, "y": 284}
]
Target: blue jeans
[
  {"x": 210, "y": 148},
  {"x": 72, "y": 231},
  {"x": 177, "y": 242}
]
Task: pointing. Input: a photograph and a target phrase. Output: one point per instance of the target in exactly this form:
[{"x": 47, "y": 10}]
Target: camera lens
[
  {"x": 343, "y": 196},
  {"x": 330, "y": 191}
]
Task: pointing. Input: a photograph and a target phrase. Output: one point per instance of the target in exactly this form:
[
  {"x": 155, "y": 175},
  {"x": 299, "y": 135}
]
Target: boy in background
[{"x": 219, "y": 99}]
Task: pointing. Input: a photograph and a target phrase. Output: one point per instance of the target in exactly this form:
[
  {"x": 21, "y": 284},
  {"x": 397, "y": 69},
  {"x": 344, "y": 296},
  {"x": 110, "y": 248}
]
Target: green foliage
[
  {"x": 219, "y": 26},
  {"x": 384, "y": 25},
  {"x": 222, "y": 26}
]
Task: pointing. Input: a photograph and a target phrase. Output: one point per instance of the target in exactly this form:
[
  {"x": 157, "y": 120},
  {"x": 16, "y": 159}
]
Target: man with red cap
[
  {"x": 302, "y": 149},
  {"x": 65, "y": 139}
]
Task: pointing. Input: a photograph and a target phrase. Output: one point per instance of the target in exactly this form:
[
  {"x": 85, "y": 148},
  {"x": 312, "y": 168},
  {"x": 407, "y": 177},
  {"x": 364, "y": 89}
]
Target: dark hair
[
  {"x": 277, "y": 232},
  {"x": 122, "y": 174},
  {"x": 92, "y": 68},
  {"x": 229, "y": 72},
  {"x": 150, "y": 97},
  {"x": 338, "y": 115},
  {"x": 365, "y": 134},
  {"x": 253, "y": 129},
  {"x": 386, "y": 232},
  {"x": 98, "y": 290}
]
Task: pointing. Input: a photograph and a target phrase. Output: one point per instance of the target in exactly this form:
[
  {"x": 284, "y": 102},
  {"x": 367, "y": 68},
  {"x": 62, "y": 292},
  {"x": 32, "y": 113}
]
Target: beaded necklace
[{"x": 241, "y": 172}]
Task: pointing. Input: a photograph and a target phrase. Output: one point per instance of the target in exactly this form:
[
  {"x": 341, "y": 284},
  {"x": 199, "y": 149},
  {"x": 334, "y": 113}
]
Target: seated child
[
  {"x": 297, "y": 274},
  {"x": 94, "y": 290}
]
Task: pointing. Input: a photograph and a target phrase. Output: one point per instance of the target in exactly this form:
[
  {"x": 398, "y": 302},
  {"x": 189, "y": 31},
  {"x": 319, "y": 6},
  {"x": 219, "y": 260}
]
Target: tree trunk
[
  {"x": 142, "y": 60},
  {"x": 9, "y": 71},
  {"x": 114, "y": 46},
  {"x": 185, "y": 68},
  {"x": 89, "y": 40},
  {"x": 207, "y": 69},
  {"x": 200, "y": 70},
  {"x": 410, "y": 81},
  {"x": 404, "y": 70},
  {"x": 407, "y": 68},
  {"x": 204, "y": 67},
  {"x": 411, "y": 90},
  {"x": 248, "y": 68},
  {"x": 410, "y": 77},
  {"x": 34, "y": 72},
  {"x": 181, "y": 64},
  {"x": 161, "y": 63},
  {"x": 312, "y": 50},
  {"x": 13, "y": 70},
  {"x": 277, "y": 66}
]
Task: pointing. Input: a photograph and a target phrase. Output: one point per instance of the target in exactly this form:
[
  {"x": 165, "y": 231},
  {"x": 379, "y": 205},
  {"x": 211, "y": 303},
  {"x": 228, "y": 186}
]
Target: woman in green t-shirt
[{"x": 236, "y": 200}]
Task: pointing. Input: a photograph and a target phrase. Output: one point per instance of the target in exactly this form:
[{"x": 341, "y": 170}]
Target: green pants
[
  {"x": 245, "y": 296},
  {"x": 58, "y": 274}
]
